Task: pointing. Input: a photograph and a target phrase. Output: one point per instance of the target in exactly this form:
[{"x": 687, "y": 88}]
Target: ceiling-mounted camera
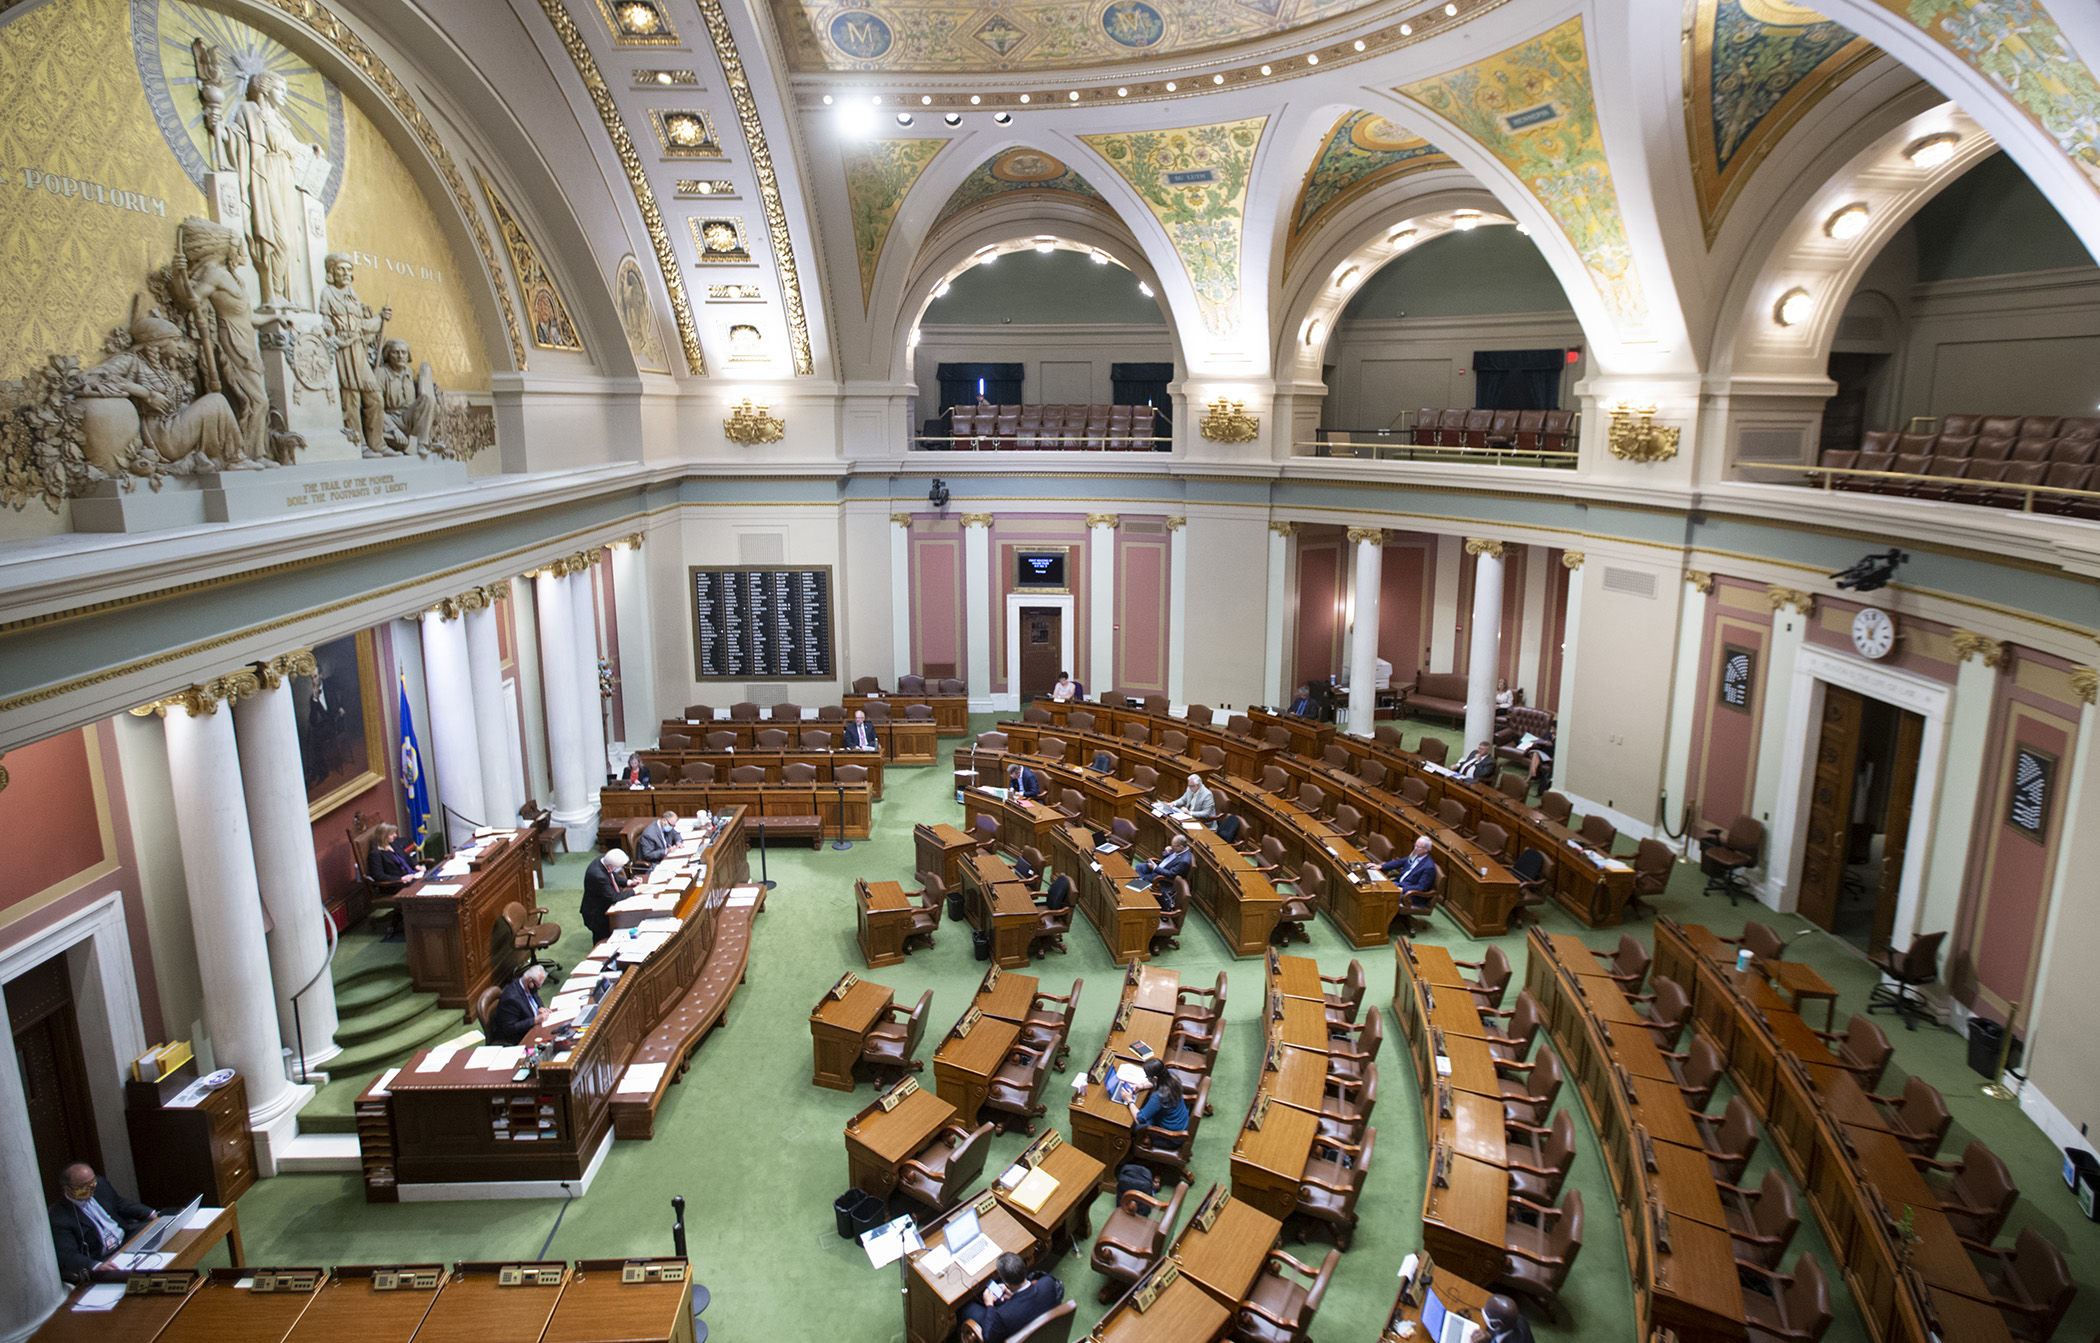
[
  {"x": 1872, "y": 573},
  {"x": 938, "y": 495}
]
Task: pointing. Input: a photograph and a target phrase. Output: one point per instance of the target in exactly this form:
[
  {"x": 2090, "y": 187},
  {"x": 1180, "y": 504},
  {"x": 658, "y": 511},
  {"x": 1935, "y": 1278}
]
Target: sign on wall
[
  {"x": 1738, "y": 674},
  {"x": 2027, "y": 804},
  {"x": 761, "y": 621}
]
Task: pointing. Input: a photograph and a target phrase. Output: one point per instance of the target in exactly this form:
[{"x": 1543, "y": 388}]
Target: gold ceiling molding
[
  {"x": 637, "y": 178},
  {"x": 1802, "y": 602},
  {"x": 901, "y": 519},
  {"x": 1284, "y": 529},
  {"x": 1108, "y": 520},
  {"x": 200, "y": 700},
  {"x": 1700, "y": 579},
  {"x": 322, "y": 22},
  {"x": 1572, "y": 559},
  {"x": 1480, "y": 545},
  {"x": 2085, "y": 683},
  {"x": 768, "y": 181},
  {"x": 279, "y": 669},
  {"x": 1228, "y": 422},
  {"x": 1968, "y": 644},
  {"x": 1175, "y": 524},
  {"x": 1375, "y": 535},
  {"x": 976, "y": 520}
]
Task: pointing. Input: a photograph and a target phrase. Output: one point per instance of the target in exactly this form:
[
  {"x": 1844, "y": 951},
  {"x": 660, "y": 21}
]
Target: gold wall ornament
[
  {"x": 1700, "y": 579},
  {"x": 1229, "y": 422},
  {"x": 279, "y": 669},
  {"x": 637, "y": 178},
  {"x": 749, "y": 423},
  {"x": 1968, "y": 643},
  {"x": 1572, "y": 559},
  {"x": 1285, "y": 529},
  {"x": 3, "y": 775},
  {"x": 1802, "y": 602},
  {"x": 2085, "y": 683},
  {"x": 1108, "y": 520},
  {"x": 1635, "y": 436},
  {"x": 768, "y": 181},
  {"x": 1480, "y": 545},
  {"x": 204, "y": 699},
  {"x": 1375, "y": 535},
  {"x": 444, "y": 608},
  {"x": 901, "y": 519},
  {"x": 1175, "y": 524},
  {"x": 632, "y": 541},
  {"x": 976, "y": 519}
]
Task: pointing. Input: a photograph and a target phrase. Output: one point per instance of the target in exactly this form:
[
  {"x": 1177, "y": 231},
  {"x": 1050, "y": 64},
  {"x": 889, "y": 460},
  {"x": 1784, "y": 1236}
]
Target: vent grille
[
  {"x": 1629, "y": 582},
  {"x": 766, "y": 694},
  {"x": 1144, "y": 527},
  {"x": 1770, "y": 445},
  {"x": 761, "y": 548}
]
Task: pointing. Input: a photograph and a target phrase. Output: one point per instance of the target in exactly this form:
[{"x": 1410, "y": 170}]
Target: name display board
[{"x": 764, "y": 620}]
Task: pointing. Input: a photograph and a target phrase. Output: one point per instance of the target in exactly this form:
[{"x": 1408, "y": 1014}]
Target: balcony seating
[
  {"x": 1057, "y": 428},
  {"x": 2041, "y": 450}
]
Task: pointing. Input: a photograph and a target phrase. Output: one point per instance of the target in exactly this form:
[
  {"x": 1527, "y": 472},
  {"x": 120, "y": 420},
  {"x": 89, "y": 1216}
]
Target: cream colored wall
[
  {"x": 1228, "y": 580},
  {"x": 866, "y": 618},
  {"x": 2063, "y": 1050},
  {"x": 1612, "y": 753}
]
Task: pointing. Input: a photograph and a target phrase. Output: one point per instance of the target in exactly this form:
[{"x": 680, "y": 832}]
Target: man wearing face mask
[
  {"x": 90, "y": 1221},
  {"x": 1504, "y": 1323}
]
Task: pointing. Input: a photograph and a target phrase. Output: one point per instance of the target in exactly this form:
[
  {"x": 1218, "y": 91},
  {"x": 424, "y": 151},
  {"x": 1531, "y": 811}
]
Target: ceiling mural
[
  {"x": 879, "y": 175},
  {"x": 1029, "y": 170},
  {"x": 1363, "y": 150},
  {"x": 950, "y": 37},
  {"x": 638, "y": 317},
  {"x": 2018, "y": 47},
  {"x": 1195, "y": 183},
  {"x": 546, "y": 315},
  {"x": 1532, "y": 108},
  {"x": 1757, "y": 67}
]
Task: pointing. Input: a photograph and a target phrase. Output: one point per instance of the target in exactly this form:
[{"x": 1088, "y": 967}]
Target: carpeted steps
[{"x": 380, "y": 1021}]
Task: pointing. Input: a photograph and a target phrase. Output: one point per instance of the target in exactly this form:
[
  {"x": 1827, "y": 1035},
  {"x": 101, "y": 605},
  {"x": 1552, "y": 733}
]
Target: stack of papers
[
  {"x": 438, "y": 888},
  {"x": 640, "y": 1078},
  {"x": 386, "y": 1079},
  {"x": 665, "y": 926},
  {"x": 744, "y": 899},
  {"x": 1033, "y": 1192},
  {"x": 437, "y": 1060},
  {"x": 101, "y": 1296},
  {"x": 495, "y": 1057},
  {"x": 887, "y": 1244}
]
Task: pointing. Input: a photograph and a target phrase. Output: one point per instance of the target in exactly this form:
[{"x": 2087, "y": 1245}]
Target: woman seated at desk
[
  {"x": 387, "y": 866},
  {"x": 1163, "y": 1109},
  {"x": 1066, "y": 690}
]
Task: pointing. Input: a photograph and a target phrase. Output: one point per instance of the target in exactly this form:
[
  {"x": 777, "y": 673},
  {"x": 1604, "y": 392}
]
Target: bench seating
[
  {"x": 1439, "y": 693},
  {"x": 699, "y": 1011}
]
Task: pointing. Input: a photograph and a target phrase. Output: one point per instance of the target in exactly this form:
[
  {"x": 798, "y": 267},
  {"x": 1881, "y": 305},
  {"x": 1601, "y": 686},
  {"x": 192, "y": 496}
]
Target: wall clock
[{"x": 1873, "y": 633}]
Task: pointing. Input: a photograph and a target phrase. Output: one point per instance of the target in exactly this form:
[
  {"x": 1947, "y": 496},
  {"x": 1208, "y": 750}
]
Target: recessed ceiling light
[
  {"x": 1170, "y": 86},
  {"x": 1450, "y": 11},
  {"x": 1265, "y": 69},
  {"x": 1466, "y": 220},
  {"x": 1313, "y": 59},
  {"x": 1101, "y": 258},
  {"x": 1794, "y": 308},
  {"x": 1074, "y": 95},
  {"x": 974, "y": 100},
  {"x": 1347, "y": 276},
  {"x": 663, "y": 76},
  {"x": 925, "y": 100},
  {"x": 904, "y": 118},
  {"x": 1312, "y": 331},
  {"x": 1145, "y": 289},
  {"x": 1042, "y": 246},
  {"x": 1217, "y": 79},
  {"x": 1359, "y": 44},
  {"x": 1003, "y": 118},
  {"x": 1933, "y": 150},
  {"x": 827, "y": 100},
  {"x": 1122, "y": 93},
  {"x": 942, "y": 291},
  {"x": 952, "y": 118},
  {"x": 640, "y": 20},
  {"x": 1849, "y": 222},
  {"x": 1024, "y": 97},
  {"x": 1524, "y": 229},
  {"x": 875, "y": 101},
  {"x": 1404, "y": 238},
  {"x": 1407, "y": 30}
]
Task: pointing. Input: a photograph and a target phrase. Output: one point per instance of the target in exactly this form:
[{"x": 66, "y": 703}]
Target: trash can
[
  {"x": 871, "y": 1213},
  {"x": 843, "y": 1207},
  {"x": 955, "y": 906},
  {"x": 1986, "y": 1038},
  {"x": 981, "y": 943},
  {"x": 2082, "y": 1174}
]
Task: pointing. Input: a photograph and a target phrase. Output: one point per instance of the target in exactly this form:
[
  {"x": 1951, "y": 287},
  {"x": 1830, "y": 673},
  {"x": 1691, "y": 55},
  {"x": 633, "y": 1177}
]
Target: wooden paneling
[{"x": 1830, "y": 804}]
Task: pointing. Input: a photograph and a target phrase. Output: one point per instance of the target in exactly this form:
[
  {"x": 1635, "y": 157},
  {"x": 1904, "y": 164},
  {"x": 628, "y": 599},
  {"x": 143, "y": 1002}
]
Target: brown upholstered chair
[
  {"x": 1046, "y": 1026},
  {"x": 1653, "y": 862},
  {"x": 721, "y": 741},
  {"x": 1336, "y": 757},
  {"x": 1277, "y": 735},
  {"x": 1534, "y": 884},
  {"x": 1909, "y": 971},
  {"x": 1511, "y": 1045},
  {"x": 1724, "y": 858},
  {"x": 1378, "y": 848},
  {"x": 1274, "y": 779},
  {"x": 531, "y": 934},
  {"x": 1136, "y": 732},
  {"x": 1452, "y": 813},
  {"x": 786, "y": 713},
  {"x": 1918, "y": 1117},
  {"x": 1213, "y": 756},
  {"x": 770, "y": 739},
  {"x": 1352, "y": 1053},
  {"x": 867, "y": 685},
  {"x": 833, "y": 713},
  {"x": 878, "y": 711},
  {"x": 1166, "y": 934},
  {"x": 1079, "y": 720},
  {"x": 911, "y": 685},
  {"x": 1299, "y": 898},
  {"x": 800, "y": 771},
  {"x": 1979, "y": 1195},
  {"x": 853, "y": 776},
  {"x": 702, "y": 773},
  {"x": 1373, "y": 772},
  {"x": 1280, "y": 1309},
  {"x": 1016, "y": 1090},
  {"x": 1037, "y": 714},
  {"x": 1667, "y": 1010},
  {"x": 1492, "y": 838},
  {"x": 952, "y": 686},
  {"x": 938, "y": 1175},
  {"x": 928, "y": 902},
  {"x": 1433, "y": 749},
  {"x": 699, "y": 713},
  {"x": 1330, "y": 1186},
  {"x": 1730, "y": 1141},
  {"x": 672, "y": 741},
  {"x": 1495, "y": 974},
  {"x": 992, "y": 741},
  {"x": 1556, "y": 808},
  {"x": 1347, "y": 821},
  {"x": 1698, "y": 1070},
  {"x": 1797, "y": 1308},
  {"x": 1146, "y": 778},
  {"x": 1628, "y": 965},
  {"x": 816, "y": 739},
  {"x": 1762, "y": 942},
  {"x": 1762, "y": 1220},
  {"x": 1512, "y": 785},
  {"x": 1346, "y": 1110},
  {"x": 1540, "y": 1254},
  {"x": 1176, "y": 742},
  {"x": 918, "y": 713},
  {"x": 1599, "y": 833},
  {"x": 484, "y": 1004},
  {"x": 1539, "y": 1181},
  {"x": 1348, "y": 999},
  {"x": 1189, "y": 1059},
  {"x": 1133, "y": 1238},
  {"x": 744, "y": 711},
  {"x": 1163, "y": 1149},
  {"x": 891, "y": 1045},
  {"x": 1863, "y": 1050},
  {"x": 986, "y": 833},
  {"x": 1414, "y": 792},
  {"x": 747, "y": 774}
]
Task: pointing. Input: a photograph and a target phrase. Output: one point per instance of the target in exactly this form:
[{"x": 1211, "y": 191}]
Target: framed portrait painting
[{"x": 342, "y": 732}]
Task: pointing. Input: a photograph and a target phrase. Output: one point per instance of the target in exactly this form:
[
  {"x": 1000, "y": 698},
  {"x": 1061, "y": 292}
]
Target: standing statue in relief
[
  {"x": 208, "y": 260},
  {"x": 258, "y": 145},
  {"x": 353, "y": 329},
  {"x": 410, "y": 397}
]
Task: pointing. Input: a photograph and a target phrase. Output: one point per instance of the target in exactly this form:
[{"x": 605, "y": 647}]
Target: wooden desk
[
  {"x": 951, "y": 713},
  {"x": 449, "y": 934},
  {"x": 1224, "y": 1260},
  {"x": 1304, "y": 1025},
  {"x": 940, "y": 849},
  {"x": 963, "y": 1068},
  {"x": 1661, "y": 1110},
  {"x": 838, "y": 1031},
  {"x": 1157, "y": 989},
  {"x": 1140, "y": 1028},
  {"x": 1009, "y": 997},
  {"x": 930, "y": 1300},
  {"x": 1299, "y": 977},
  {"x": 1268, "y": 1163},
  {"x": 134, "y": 1319},
  {"x": 878, "y": 1140},
  {"x": 882, "y": 916},
  {"x": 1586, "y": 882},
  {"x": 348, "y": 1308},
  {"x": 1100, "y": 1128},
  {"x": 1696, "y": 1290},
  {"x": 191, "y": 1246},
  {"x": 1240, "y": 902},
  {"x": 805, "y": 810},
  {"x": 474, "y": 1307},
  {"x": 1684, "y": 1184},
  {"x": 1475, "y": 1128},
  {"x": 1023, "y": 822},
  {"x": 1458, "y": 1295},
  {"x": 222, "y": 1311},
  {"x": 1434, "y": 966},
  {"x": 599, "y": 1308},
  {"x": 995, "y": 899},
  {"x": 1804, "y": 984},
  {"x": 1473, "y": 1068},
  {"x": 1183, "y": 1313},
  {"x": 1066, "y": 1218},
  {"x": 1464, "y": 1223},
  {"x": 1300, "y": 1079},
  {"x": 667, "y": 768},
  {"x": 1124, "y": 916}
]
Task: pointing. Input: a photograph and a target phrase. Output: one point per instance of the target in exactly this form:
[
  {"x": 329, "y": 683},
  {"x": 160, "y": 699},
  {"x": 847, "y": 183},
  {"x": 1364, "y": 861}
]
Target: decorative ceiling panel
[
  {"x": 1363, "y": 150},
  {"x": 1029, "y": 170},
  {"x": 879, "y": 175}
]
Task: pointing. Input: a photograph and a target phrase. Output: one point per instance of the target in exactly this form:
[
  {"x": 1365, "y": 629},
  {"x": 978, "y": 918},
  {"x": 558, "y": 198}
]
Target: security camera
[
  {"x": 1872, "y": 573},
  {"x": 938, "y": 495}
]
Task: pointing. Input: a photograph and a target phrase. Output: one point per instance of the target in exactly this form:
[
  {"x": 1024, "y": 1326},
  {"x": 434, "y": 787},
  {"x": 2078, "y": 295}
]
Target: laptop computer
[{"x": 157, "y": 1235}]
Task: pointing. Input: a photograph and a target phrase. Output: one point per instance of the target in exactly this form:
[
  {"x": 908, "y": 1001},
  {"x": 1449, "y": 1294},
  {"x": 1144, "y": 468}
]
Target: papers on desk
[
  {"x": 386, "y": 1079},
  {"x": 101, "y": 1296},
  {"x": 204, "y": 1217},
  {"x": 887, "y": 1244},
  {"x": 438, "y": 888},
  {"x": 640, "y": 1078},
  {"x": 455, "y": 867},
  {"x": 586, "y": 968},
  {"x": 934, "y": 1262},
  {"x": 1106, "y": 848},
  {"x": 1013, "y": 1174},
  {"x": 438, "y": 1059},
  {"x": 1034, "y": 1191},
  {"x": 566, "y": 1007},
  {"x": 1616, "y": 865},
  {"x": 745, "y": 898},
  {"x": 150, "y": 1262},
  {"x": 665, "y": 926},
  {"x": 646, "y": 901},
  {"x": 495, "y": 1057}
]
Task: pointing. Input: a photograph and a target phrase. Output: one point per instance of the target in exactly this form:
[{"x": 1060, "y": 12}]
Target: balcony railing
[
  {"x": 1399, "y": 445},
  {"x": 1038, "y": 442},
  {"x": 2011, "y": 495}
]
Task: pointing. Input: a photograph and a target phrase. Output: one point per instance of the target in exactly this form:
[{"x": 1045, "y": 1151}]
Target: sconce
[
  {"x": 1229, "y": 422},
  {"x": 1636, "y": 437},
  {"x": 748, "y": 424}
]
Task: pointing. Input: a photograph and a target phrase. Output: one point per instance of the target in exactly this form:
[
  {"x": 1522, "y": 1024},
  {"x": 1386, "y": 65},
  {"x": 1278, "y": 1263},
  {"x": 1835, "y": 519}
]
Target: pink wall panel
[
  {"x": 1722, "y": 767},
  {"x": 1515, "y": 558},
  {"x": 1319, "y": 593},
  {"x": 1548, "y": 695},
  {"x": 1406, "y": 590},
  {"x": 1141, "y": 611},
  {"x": 937, "y": 594}
]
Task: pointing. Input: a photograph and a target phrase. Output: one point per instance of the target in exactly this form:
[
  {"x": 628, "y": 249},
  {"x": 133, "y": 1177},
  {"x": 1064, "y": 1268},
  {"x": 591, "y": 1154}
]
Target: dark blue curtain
[
  {"x": 1145, "y": 384},
  {"x": 1517, "y": 379},
  {"x": 1002, "y": 384}
]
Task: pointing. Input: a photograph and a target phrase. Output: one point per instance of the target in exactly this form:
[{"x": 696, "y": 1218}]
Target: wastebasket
[
  {"x": 871, "y": 1213},
  {"x": 955, "y": 906},
  {"x": 842, "y": 1208},
  {"x": 1986, "y": 1038},
  {"x": 981, "y": 943}
]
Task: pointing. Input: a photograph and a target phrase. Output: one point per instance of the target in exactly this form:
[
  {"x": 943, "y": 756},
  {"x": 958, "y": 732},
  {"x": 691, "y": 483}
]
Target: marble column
[
  {"x": 630, "y": 580},
  {"x": 455, "y": 745},
  {"x": 492, "y": 716},
  {"x": 900, "y": 595},
  {"x": 266, "y": 729},
  {"x": 1363, "y": 632},
  {"x": 1101, "y": 602},
  {"x": 30, "y": 1289},
  {"x": 1277, "y": 627},
  {"x": 1486, "y": 644},
  {"x": 1177, "y": 610},
  {"x": 583, "y": 592},
  {"x": 559, "y": 700},
  {"x": 226, "y": 910},
  {"x": 977, "y": 608}
]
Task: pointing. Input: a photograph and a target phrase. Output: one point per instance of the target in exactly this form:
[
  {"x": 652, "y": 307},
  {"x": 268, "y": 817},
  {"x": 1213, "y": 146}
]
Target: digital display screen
[{"x": 1041, "y": 571}]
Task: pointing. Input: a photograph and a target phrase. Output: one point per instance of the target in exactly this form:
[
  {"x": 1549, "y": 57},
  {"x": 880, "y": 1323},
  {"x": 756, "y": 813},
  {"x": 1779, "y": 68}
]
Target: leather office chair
[
  {"x": 1451, "y": 813},
  {"x": 1329, "y": 1188},
  {"x": 1136, "y": 732},
  {"x": 1912, "y": 970},
  {"x": 1343, "y": 1006},
  {"x": 1730, "y": 1141},
  {"x": 1762, "y": 1220},
  {"x": 1599, "y": 833},
  {"x": 1863, "y": 1050},
  {"x": 1351, "y": 1054},
  {"x": 853, "y": 776},
  {"x": 1166, "y": 935},
  {"x": 1980, "y": 1195},
  {"x": 1414, "y": 792},
  {"x": 1298, "y": 899},
  {"x": 1556, "y": 808},
  {"x": 1175, "y": 742},
  {"x": 1335, "y": 757},
  {"x": 986, "y": 833},
  {"x": 1279, "y": 1309},
  {"x": 1016, "y": 1090},
  {"x": 1697, "y": 1070},
  {"x": 1540, "y": 1181},
  {"x": 1530, "y": 1101},
  {"x": 1798, "y": 1307},
  {"x": 1345, "y": 1113},
  {"x": 1147, "y": 779},
  {"x": 1272, "y": 858},
  {"x": 1213, "y": 756},
  {"x": 801, "y": 771},
  {"x": 1653, "y": 862},
  {"x": 721, "y": 741},
  {"x": 1200, "y": 1020},
  {"x": 878, "y": 711},
  {"x": 1163, "y": 1149},
  {"x": 532, "y": 935},
  {"x": 1411, "y": 908},
  {"x": 1724, "y": 858},
  {"x": 1071, "y": 804},
  {"x": 867, "y": 685},
  {"x": 1033, "y": 857},
  {"x": 1273, "y": 779},
  {"x": 1763, "y": 943},
  {"x": 1495, "y": 975},
  {"x": 918, "y": 713},
  {"x": 1123, "y": 832},
  {"x": 702, "y": 773},
  {"x": 784, "y": 712},
  {"x": 1373, "y": 772},
  {"x": 1492, "y": 839},
  {"x": 1036, "y": 714},
  {"x": 532, "y": 814},
  {"x": 1512, "y": 785},
  {"x": 770, "y": 739},
  {"x": 1920, "y": 1117},
  {"x": 833, "y": 713},
  {"x": 911, "y": 685},
  {"x": 744, "y": 711},
  {"x": 747, "y": 774},
  {"x": 1628, "y": 965},
  {"x": 1536, "y": 1267},
  {"x": 1079, "y": 720},
  {"x": 1534, "y": 886},
  {"x": 1347, "y": 821},
  {"x": 1190, "y": 1059},
  {"x": 1278, "y": 736},
  {"x": 1433, "y": 749},
  {"x": 816, "y": 739},
  {"x": 672, "y": 741},
  {"x": 926, "y": 910},
  {"x": 1051, "y": 922},
  {"x": 484, "y": 1004},
  {"x": 891, "y": 1046},
  {"x": 1201, "y": 715},
  {"x": 1512, "y": 1044},
  {"x": 1048, "y": 747},
  {"x": 938, "y": 1175},
  {"x": 1156, "y": 704},
  {"x": 952, "y": 686},
  {"x": 1133, "y": 1238},
  {"x": 1378, "y": 849},
  {"x": 1667, "y": 1010},
  {"x": 1045, "y": 1025},
  {"x": 699, "y": 713}
]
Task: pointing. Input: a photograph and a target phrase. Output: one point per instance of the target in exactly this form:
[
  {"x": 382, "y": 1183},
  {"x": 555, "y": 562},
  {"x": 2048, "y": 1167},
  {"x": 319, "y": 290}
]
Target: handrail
[
  {"x": 298, "y": 1027},
  {"x": 1325, "y": 448},
  {"x": 1985, "y": 486},
  {"x": 1059, "y": 442}
]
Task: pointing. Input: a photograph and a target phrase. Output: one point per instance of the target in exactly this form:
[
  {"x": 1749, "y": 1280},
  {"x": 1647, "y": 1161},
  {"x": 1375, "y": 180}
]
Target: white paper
[
  {"x": 642, "y": 1078},
  {"x": 742, "y": 900},
  {"x": 438, "y": 888},
  {"x": 935, "y": 1261},
  {"x": 101, "y": 1296},
  {"x": 1012, "y": 1176},
  {"x": 204, "y": 1217},
  {"x": 495, "y": 1057},
  {"x": 436, "y": 1060},
  {"x": 1443, "y": 1066},
  {"x": 386, "y": 1079},
  {"x": 887, "y": 1244}
]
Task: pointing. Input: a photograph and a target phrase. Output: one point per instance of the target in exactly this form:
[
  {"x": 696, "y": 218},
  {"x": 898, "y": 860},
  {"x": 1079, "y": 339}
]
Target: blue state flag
[{"x": 412, "y": 784}]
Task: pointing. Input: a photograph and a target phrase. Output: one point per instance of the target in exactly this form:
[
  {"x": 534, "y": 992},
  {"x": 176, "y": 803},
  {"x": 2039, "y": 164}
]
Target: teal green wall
[
  {"x": 1993, "y": 221},
  {"x": 1034, "y": 288},
  {"x": 1491, "y": 269}
]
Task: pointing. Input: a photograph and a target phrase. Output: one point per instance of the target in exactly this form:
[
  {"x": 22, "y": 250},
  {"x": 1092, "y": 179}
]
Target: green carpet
[{"x": 757, "y": 1152}]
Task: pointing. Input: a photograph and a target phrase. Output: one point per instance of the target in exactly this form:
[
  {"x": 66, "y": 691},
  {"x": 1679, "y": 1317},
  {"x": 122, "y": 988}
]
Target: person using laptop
[
  {"x": 1178, "y": 861},
  {"x": 1010, "y": 1302},
  {"x": 89, "y": 1221},
  {"x": 1197, "y": 801},
  {"x": 1164, "y": 1107}
]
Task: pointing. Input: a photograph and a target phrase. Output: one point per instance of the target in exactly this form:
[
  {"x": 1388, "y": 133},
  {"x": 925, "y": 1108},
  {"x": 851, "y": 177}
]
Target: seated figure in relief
[
  {"x": 410, "y": 399},
  {"x": 146, "y": 394}
]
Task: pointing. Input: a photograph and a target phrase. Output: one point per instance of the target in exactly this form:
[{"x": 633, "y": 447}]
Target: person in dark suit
[
  {"x": 1415, "y": 873},
  {"x": 656, "y": 840},
  {"x": 1480, "y": 764},
  {"x": 1010, "y": 1302},
  {"x": 636, "y": 774},
  {"x": 603, "y": 886},
  {"x": 385, "y": 864},
  {"x": 1302, "y": 703},
  {"x": 90, "y": 1221},
  {"x": 1023, "y": 781},
  {"x": 1504, "y": 1322},
  {"x": 518, "y": 1010},
  {"x": 1059, "y": 896},
  {"x": 1178, "y": 861},
  {"x": 860, "y": 733}
]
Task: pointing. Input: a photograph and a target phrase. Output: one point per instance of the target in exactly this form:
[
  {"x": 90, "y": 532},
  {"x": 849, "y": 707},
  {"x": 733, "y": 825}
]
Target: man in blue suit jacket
[
  {"x": 860, "y": 733},
  {"x": 1178, "y": 861},
  {"x": 1010, "y": 1302},
  {"x": 1022, "y": 781}
]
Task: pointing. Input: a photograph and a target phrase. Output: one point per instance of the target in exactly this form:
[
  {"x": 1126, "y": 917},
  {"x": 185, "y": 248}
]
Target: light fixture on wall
[
  {"x": 1794, "y": 307},
  {"x": 1347, "y": 276},
  {"x": 1045, "y": 244},
  {"x": 1003, "y": 118},
  {"x": 1100, "y": 258},
  {"x": 1170, "y": 86},
  {"x": 1466, "y": 221},
  {"x": 1403, "y": 237},
  {"x": 1313, "y": 59},
  {"x": 1634, "y": 435},
  {"x": 1848, "y": 222},
  {"x": 952, "y": 118},
  {"x": 1145, "y": 289},
  {"x": 1313, "y": 329},
  {"x": 827, "y": 100},
  {"x": 1025, "y": 97},
  {"x": 941, "y": 290},
  {"x": 1359, "y": 44},
  {"x": 975, "y": 99},
  {"x": 1407, "y": 30},
  {"x": 1265, "y": 69},
  {"x": 904, "y": 118},
  {"x": 749, "y": 423},
  {"x": 1933, "y": 150}
]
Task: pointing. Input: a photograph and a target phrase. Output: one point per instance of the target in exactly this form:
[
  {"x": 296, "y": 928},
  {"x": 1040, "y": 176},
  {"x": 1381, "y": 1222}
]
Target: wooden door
[
  {"x": 1903, "y": 781},
  {"x": 1830, "y": 805},
  {"x": 54, "y": 1071},
  {"x": 1042, "y": 650}
]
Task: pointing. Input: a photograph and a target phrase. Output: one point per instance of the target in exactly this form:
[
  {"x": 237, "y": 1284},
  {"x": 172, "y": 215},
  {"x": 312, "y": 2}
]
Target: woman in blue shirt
[{"x": 1163, "y": 1108}]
